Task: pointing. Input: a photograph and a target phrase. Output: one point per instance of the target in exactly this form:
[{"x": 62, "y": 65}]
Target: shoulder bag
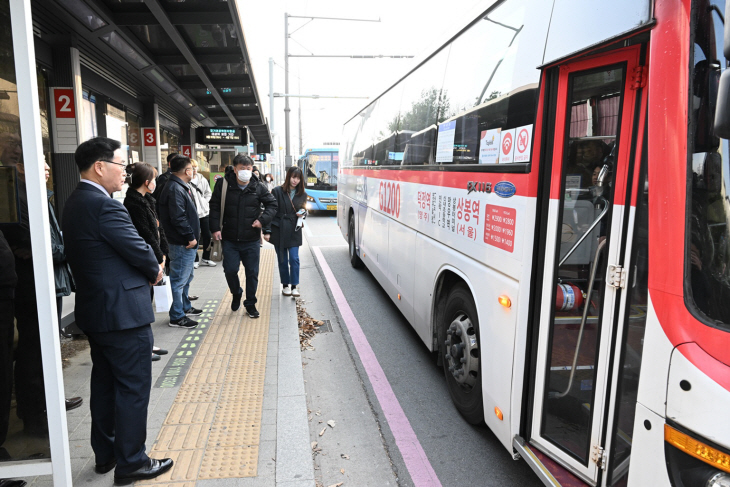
[{"x": 216, "y": 246}]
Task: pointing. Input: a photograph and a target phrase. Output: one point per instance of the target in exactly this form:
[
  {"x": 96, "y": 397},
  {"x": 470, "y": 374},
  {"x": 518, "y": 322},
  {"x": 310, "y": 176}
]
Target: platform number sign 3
[
  {"x": 63, "y": 101},
  {"x": 150, "y": 138}
]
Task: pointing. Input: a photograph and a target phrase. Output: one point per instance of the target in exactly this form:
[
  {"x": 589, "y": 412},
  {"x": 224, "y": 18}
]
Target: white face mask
[
  {"x": 244, "y": 175},
  {"x": 152, "y": 186}
]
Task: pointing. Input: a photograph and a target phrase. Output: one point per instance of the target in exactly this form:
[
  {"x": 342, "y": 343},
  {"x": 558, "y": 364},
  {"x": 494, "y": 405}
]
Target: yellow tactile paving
[{"x": 212, "y": 430}]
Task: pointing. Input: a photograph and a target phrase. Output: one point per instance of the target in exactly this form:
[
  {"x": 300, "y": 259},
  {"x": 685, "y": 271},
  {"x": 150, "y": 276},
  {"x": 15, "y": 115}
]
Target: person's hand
[
  {"x": 192, "y": 244},
  {"x": 256, "y": 224},
  {"x": 267, "y": 237},
  {"x": 217, "y": 236},
  {"x": 160, "y": 275}
]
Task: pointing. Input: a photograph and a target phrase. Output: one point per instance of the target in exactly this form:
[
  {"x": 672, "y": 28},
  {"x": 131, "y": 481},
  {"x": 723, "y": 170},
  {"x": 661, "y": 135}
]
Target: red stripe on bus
[{"x": 449, "y": 179}]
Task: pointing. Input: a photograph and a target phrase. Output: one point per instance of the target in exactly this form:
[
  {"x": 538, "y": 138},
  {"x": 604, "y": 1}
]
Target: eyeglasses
[{"x": 123, "y": 164}]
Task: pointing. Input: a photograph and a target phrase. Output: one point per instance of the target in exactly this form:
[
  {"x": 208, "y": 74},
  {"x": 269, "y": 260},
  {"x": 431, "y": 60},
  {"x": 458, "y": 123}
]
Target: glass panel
[
  {"x": 321, "y": 170},
  {"x": 83, "y": 13},
  {"x": 155, "y": 75},
  {"x": 134, "y": 139},
  {"x": 633, "y": 341},
  {"x": 581, "y": 261},
  {"x": 486, "y": 85},
  {"x": 153, "y": 37},
  {"x": 708, "y": 257},
  {"x": 127, "y": 51},
  {"x": 23, "y": 423},
  {"x": 421, "y": 108},
  {"x": 216, "y": 35},
  {"x": 88, "y": 105}
]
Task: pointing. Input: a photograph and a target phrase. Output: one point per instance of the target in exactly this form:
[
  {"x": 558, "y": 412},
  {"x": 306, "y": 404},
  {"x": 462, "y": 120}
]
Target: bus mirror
[
  {"x": 722, "y": 111},
  {"x": 602, "y": 176}
]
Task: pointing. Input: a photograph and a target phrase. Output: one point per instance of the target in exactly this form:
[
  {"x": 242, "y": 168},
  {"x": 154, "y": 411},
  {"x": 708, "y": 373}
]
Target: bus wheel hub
[{"x": 462, "y": 351}]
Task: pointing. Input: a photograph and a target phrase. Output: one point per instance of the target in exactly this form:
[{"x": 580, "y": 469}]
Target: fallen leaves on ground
[
  {"x": 331, "y": 423},
  {"x": 338, "y": 484},
  {"x": 308, "y": 326},
  {"x": 343, "y": 455},
  {"x": 322, "y": 432}
]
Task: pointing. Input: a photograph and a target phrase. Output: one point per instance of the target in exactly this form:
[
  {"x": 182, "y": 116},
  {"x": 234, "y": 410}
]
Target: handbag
[
  {"x": 216, "y": 246},
  {"x": 163, "y": 295}
]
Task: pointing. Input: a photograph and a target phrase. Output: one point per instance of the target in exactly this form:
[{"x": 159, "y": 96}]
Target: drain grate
[{"x": 326, "y": 326}]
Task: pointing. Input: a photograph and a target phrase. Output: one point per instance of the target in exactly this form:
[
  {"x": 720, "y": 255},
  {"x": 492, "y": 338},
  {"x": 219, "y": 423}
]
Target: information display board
[{"x": 221, "y": 135}]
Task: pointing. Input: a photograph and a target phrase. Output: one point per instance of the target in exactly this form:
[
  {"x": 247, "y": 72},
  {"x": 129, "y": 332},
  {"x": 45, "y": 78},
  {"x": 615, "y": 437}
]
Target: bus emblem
[
  {"x": 504, "y": 189},
  {"x": 479, "y": 187}
]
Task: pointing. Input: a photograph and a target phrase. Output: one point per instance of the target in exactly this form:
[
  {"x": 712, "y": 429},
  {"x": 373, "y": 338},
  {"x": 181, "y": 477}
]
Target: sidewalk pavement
[{"x": 227, "y": 403}]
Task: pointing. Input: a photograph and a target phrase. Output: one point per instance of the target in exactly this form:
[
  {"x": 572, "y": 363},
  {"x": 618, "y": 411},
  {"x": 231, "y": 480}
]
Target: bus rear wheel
[
  {"x": 459, "y": 348},
  {"x": 355, "y": 260}
]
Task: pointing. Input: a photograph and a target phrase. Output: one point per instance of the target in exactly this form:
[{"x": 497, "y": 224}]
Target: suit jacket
[{"x": 111, "y": 263}]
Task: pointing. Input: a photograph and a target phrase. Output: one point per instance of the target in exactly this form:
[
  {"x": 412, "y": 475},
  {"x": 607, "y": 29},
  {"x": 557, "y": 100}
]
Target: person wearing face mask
[
  {"x": 269, "y": 181},
  {"x": 179, "y": 219},
  {"x": 141, "y": 207},
  {"x": 241, "y": 229}
]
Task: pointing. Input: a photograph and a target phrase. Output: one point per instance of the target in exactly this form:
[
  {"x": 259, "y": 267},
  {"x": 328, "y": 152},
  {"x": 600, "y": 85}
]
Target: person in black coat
[
  {"x": 286, "y": 233},
  {"x": 142, "y": 210},
  {"x": 243, "y": 221},
  {"x": 113, "y": 268}
]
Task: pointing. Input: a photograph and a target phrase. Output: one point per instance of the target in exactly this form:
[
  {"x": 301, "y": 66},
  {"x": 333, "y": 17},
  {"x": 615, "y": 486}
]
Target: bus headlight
[
  {"x": 720, "y": 480},
  {"x": 309, "y": 198},
  {"x": 309, "y": 206}
]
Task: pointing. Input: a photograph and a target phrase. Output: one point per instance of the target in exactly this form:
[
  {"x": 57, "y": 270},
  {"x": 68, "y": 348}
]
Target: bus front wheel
[
  {"x": 355, "y": 260},
  {"x": 459, "y": 348}
]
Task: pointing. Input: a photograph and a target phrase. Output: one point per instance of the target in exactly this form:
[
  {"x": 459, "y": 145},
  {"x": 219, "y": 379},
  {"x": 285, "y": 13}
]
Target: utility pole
[
  {"x": 287, "y": 110},
  {"x": 288, "y": 161},
  {"x": 299, "y": 90}
]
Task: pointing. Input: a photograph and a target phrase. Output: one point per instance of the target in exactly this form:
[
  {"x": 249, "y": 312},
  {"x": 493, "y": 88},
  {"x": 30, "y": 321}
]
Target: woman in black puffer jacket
[{"x": 141, "y": 207}]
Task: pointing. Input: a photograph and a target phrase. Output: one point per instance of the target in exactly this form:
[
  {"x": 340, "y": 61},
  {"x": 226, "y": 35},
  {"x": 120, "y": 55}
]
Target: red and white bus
[{"x": 545, "y": 199}]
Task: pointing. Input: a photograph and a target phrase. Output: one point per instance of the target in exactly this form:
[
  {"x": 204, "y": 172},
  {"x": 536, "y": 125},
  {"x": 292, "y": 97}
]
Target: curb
[{"x": 294, "y": 467}]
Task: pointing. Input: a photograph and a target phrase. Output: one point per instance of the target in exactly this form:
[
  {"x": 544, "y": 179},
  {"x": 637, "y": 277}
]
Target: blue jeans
[
  {"x": 246, "y": 253},
  {"x": 288, "y": 259},
  {"x": 181, "y": 274}
]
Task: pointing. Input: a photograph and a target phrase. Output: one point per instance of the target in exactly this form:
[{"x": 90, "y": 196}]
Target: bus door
[{"x": 587, "y": 240}]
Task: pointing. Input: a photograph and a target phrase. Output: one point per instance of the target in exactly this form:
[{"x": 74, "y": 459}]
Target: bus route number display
[{"x": 499, "y": 227}]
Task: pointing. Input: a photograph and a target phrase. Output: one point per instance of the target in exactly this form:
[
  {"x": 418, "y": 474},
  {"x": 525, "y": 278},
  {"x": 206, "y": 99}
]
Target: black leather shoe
[
  {"x": 236, "y": 300},
  {"x": 155, "y": 357},
  {"x": 153, "y": 469},
  {"x": 103, "y": 468},
  {"x": 73, "y": 403},
  {"x": 159, "y": 351}
]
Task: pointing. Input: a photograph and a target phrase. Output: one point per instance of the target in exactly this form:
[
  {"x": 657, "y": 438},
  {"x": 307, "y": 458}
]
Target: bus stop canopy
[{"x": 190, "y": 56}]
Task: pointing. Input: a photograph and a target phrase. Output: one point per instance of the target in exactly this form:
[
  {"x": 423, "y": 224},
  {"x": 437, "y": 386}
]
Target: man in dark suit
[{"x": 114, "y": 268}]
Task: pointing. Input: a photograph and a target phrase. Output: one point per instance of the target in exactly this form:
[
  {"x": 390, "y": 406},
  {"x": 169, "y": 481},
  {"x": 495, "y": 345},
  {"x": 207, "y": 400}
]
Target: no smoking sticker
[
  {"x": 507, "y": 147},
  {"x": 523, "y": 143}
]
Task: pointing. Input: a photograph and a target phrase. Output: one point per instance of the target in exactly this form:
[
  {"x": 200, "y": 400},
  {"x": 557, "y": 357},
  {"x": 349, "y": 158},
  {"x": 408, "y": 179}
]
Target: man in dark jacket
[
  {"x": 161, "y": 181},
  {"x": 179, "y": 219},
  {"x": 241, "y": 229},
  {"x": 113, "y": 268}
]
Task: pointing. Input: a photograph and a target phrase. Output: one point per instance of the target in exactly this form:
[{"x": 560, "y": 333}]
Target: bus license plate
[{"x": 331, "y": 207}]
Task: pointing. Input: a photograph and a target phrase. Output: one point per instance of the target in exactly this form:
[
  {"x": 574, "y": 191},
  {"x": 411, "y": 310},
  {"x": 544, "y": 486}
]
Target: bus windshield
[
  {"x": 321, "y": 170},
  {"x": 708, "y": 252}
]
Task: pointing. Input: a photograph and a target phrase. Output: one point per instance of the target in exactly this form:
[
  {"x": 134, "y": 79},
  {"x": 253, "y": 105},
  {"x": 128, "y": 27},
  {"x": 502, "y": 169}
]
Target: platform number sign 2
[
  {"x": 63, "y": 101},
  {"x": 150, "y": 138}
]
